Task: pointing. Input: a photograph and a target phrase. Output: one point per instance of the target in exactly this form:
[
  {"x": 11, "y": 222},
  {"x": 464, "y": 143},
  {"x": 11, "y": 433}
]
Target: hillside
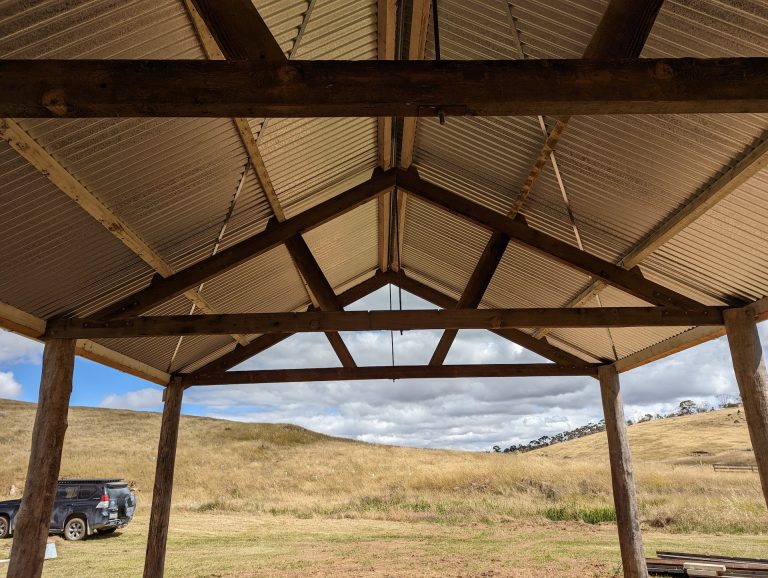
[
  {"x": 722, "y": 434},
  {"x": 225, "y": 466}
]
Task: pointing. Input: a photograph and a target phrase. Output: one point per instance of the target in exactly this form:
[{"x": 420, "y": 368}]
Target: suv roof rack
[{"x": 89, "y": 481}]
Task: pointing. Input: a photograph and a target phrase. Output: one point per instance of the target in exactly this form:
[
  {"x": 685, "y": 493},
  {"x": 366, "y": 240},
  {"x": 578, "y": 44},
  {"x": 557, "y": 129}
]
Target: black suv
[{"x": 81, "y": 508}]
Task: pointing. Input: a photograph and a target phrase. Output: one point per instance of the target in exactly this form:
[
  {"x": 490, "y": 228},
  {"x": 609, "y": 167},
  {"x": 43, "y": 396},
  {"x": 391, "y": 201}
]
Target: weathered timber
[
  {"x": 162, "y": 490},
  {"x": 416, "y": 48},
  {"x": 239, "y": 30},
  {"x": 207, "y": 88},
  {"x": 263, "y": 342},
  {"x": 386, "y": 32},
  {"x": 312, "y": 321},
  {"x": 475, "y": 289},
  {"x": 389, "y": 372},
  {"x": 630, "y": 281},
  {"x": 34, "y": 517},
  {"x": 162, "y": 289},
  {"x": 622, "y": 477},
  {"x": 317, "y": 282},
  {"x": 752, "y": 378}
]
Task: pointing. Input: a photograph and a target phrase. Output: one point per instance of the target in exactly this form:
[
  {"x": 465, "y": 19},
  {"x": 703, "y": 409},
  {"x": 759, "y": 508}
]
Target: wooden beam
[
  {"x": 239, "y": 30},
  {"x": 386, "y": 19},
  {"x": 225, "y": 35},
  {"x": 34, "y": 517},
  {"x": 417, "y": 46},
  {"x": 475, "y": 289},
  {"x": 389, "y": 372},
  {"x": 322, "y": 290},
  {"x": 383, "y": 229},
  {"x": 29, "y": 149},
  {"x": 208, "y": 88},
  {"x": 154, "y": 561},
  {"x": 264, "y": 342},
  {"x": 683, "y": 341},
  {"x": 21, "y": 322},
  {"x": 752, "y": 378},
  {"x": 164, "y": 289},
  {"x": 754, "y": 160},
  {"x": 311, "y": 321},
  {"x": 539, "y": 346},
  {"x": 622, "y": 476},
  {"x": 630, "y": 281}
]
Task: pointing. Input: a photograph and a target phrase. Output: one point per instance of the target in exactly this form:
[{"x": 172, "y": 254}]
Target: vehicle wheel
[
  {"x": 5, "y": 527},
  {"x": 74, "y": 529},
  {"x": 105, "y": 531}
]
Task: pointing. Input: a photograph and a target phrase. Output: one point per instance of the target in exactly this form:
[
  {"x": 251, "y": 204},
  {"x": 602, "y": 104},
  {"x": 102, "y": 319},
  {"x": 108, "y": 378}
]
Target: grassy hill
[
  {"x": 287, "y": 470},
  {"x": 279, "y": 500}
]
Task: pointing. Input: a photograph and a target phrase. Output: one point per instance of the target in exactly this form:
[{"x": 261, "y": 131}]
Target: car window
[
  {"x": 86, "y": 492},
  {"x": 66, "y": 492}
]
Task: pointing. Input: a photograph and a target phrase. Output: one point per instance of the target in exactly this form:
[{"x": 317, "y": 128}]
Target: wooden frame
[
  {"x": 208, "y": 88},
  {"x": 388, "y": 372},
  {"x": 312, "y": 321}
]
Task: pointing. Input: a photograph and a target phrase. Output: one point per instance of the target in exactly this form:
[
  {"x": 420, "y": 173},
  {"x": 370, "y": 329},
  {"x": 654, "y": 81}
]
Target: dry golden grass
[
  {"x": 284, "y": 470},
  {"x": 278, "y": 500}
]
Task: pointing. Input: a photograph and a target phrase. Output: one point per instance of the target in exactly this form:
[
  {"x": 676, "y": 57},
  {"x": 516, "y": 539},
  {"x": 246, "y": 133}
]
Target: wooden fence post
[
  {"x": 749, "y": 367},
  {"x": 34, "y": 517},
  {"x": 157, "y": 537},
  {"x": 622, "y": 478}
]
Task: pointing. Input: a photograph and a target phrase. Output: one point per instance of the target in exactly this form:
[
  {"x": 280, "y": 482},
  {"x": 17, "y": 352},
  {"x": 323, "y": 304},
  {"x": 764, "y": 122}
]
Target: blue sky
[{"x": 472, "y": 414}]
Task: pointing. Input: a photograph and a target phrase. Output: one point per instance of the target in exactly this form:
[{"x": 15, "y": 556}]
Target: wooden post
[
  {"x": 622, "y": 478},
  {"x": 751, "y": 375},
  {"x": 161, "y": 493},
  {"x": 34, "y": 517}
]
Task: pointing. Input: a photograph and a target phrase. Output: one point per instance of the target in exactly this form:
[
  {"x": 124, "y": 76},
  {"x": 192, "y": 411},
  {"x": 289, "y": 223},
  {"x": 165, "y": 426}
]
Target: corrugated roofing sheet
[{"x": 172, "y": 181}]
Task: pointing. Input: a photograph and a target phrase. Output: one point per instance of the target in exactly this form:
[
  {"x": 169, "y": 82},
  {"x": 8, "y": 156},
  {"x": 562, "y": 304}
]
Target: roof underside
[{"x": 172, "y": 181}]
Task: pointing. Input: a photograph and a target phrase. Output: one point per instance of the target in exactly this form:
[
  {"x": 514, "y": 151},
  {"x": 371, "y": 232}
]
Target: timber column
[
  {"x": 157, "y": 537},
  {"x": 34, "y": 517},
  {"x": 749, "y": 367},
  {"x": 622, "y": 478}
]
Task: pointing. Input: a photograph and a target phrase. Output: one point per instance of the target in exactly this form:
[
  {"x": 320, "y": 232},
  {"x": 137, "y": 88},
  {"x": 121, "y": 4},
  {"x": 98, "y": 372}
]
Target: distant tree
[
  {"x": 687, "y": 407},
  {"x": 496, "y": 448}
]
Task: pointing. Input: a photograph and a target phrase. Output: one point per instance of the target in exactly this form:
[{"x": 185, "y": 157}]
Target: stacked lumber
[{"x": 681, "y": 564}]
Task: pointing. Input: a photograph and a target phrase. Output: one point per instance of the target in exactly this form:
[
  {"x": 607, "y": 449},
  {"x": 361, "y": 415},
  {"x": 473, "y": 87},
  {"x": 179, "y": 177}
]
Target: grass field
[{"x": 273, "y": 500}]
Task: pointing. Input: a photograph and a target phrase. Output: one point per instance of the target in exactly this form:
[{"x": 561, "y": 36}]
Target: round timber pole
[
  {"x": 622, "y": 478},
  {"x": 749, "y": 367},
  {"x": 34, "y": 517},
  {"x": 161, "y": 493}
]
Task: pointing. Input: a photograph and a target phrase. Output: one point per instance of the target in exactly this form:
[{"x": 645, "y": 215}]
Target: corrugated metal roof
[
  {"x": 440, "y": 246},
  {"x": 172, "y": 181},
  {"x": 346, "y": 247}
]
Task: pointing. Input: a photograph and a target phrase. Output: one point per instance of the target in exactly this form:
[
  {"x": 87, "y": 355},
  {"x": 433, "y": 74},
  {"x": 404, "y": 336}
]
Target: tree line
[{"x": 685, "y": 407}]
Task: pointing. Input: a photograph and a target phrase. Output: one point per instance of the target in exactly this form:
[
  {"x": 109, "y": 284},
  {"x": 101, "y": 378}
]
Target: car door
[{"x": 62, "y": 505}]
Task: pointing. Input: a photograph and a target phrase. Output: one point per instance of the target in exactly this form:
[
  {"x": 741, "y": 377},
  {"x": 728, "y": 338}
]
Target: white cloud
[
  {"x": 18, "y": 349},
  {"x": 472, "y": 414},
  {"x": 148, "y": 398},
  {"x": 9, "y": 387}
]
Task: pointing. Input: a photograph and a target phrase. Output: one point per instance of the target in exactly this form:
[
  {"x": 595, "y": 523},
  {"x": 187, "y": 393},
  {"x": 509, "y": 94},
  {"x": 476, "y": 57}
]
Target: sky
[{"x": 466, "y": 414}]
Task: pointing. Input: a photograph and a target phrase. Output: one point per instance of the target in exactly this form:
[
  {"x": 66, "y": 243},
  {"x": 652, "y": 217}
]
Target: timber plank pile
[{"x": 682, "y": 564}]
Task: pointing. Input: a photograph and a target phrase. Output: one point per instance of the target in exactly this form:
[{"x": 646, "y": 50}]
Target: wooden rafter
[
  {"x": 372, "y": 88},
  {"x": 389, "y": 372},
  {"x": 621, "y": 33},
  {"x": 239, "y": 30},
  {"x": 312, "y": 321},
  {"x": 754, "y": 161},
  {"x": 233, "y": 29},
  {"x": 386, "y": 18},
  {"x": 630, "y": 281},
  {"x": 41, "y": 159},
  {"x": 163, "y": 289}
]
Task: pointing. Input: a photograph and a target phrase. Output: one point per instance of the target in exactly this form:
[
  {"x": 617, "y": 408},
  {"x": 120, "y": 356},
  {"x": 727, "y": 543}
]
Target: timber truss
[{"x": 247, "y": 75}]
